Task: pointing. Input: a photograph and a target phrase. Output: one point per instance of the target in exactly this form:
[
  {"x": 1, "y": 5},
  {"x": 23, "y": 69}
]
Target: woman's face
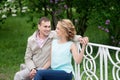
[{"x": 59, "y": 30}]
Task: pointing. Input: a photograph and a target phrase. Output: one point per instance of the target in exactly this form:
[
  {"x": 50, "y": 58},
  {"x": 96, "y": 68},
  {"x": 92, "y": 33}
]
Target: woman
[{"x": 61, "y": 54}]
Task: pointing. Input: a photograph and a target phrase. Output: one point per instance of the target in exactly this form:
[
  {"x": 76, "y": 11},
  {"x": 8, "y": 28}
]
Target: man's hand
[
  {"x": 32, "y": 73},
  {"x": 84, "y": 40}
]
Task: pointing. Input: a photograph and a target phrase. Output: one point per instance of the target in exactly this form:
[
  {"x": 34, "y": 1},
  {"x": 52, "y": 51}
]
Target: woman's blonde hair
[{"x": 69, "y": 28}]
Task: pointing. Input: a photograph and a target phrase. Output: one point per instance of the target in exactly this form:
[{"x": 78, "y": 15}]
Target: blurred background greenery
[{"x": 97, "y": 19}]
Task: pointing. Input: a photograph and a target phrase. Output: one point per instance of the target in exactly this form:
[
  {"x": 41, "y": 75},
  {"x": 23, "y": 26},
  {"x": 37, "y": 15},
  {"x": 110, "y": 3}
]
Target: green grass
[
  {"x": 97, "y": 36},
  {"x": 13, "y": 39}
]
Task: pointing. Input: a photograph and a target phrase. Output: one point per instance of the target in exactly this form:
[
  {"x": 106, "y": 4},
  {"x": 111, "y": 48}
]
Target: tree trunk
[{"x": 20, "y": 4}]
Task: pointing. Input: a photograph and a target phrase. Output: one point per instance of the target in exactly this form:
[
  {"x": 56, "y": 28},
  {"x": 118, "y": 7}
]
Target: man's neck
[{"x": 42, "y": 36}]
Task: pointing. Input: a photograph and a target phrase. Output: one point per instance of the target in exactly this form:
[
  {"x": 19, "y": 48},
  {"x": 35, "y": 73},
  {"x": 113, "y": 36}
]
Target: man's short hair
[{"x": 43, "y": 19}]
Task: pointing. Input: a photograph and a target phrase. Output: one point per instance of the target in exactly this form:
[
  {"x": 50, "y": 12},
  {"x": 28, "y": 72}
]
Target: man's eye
[{"x": 47, "y": 26}]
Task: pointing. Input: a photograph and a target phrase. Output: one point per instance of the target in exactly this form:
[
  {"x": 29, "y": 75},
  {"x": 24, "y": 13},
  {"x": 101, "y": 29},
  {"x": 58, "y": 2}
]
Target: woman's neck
[{"x": 62, "y": 40}]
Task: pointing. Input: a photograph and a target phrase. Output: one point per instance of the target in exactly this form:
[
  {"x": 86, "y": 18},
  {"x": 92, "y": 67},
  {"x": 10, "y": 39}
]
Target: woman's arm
[{"x": 77, "y": 56}]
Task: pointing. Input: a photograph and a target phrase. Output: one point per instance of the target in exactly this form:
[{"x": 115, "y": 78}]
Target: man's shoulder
[
  {"x": 32, "y": 37},
  {"x": 52, "y": 34}
]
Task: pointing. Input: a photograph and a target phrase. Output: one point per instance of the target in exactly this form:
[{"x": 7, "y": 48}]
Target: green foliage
[
  {"x": 12, "y": 8},
  {"x": 13, "y": 38},
  {"x": 108, "y": 11},
  {"x": 83, "y": 13},
  {"x": 87, "y": 15}
]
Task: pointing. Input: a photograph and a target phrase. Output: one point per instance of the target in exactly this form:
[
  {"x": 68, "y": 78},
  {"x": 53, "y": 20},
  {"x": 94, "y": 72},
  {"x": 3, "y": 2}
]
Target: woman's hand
[{"x": 84, "y": 40}]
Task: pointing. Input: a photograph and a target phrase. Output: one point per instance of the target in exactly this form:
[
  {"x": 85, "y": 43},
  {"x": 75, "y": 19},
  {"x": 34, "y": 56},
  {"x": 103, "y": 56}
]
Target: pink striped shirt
[{"x": 40, "y": 41}]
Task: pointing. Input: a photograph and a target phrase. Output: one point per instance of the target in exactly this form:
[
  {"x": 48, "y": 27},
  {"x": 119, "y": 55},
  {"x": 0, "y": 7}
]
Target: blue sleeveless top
[{"x": 61, "y": 56}]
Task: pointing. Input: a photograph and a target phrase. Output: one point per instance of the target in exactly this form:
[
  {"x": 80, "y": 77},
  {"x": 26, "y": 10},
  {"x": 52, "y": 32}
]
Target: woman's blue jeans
[{"x": 52, "y": 75}]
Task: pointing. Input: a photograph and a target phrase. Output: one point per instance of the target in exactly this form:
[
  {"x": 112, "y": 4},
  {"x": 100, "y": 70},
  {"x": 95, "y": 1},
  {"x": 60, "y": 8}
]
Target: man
[{"x": 38, "y": 50}]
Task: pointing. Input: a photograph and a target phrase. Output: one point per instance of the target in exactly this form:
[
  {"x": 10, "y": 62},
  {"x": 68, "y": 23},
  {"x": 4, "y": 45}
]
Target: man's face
[{"x": 45, "y": 28}]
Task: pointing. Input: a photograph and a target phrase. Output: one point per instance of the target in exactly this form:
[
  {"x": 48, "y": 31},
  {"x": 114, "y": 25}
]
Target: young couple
[{"x": 53, "y": 49}]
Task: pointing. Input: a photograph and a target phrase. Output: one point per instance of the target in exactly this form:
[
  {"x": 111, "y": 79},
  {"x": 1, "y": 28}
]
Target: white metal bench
[{"x": 100, "y": 62}]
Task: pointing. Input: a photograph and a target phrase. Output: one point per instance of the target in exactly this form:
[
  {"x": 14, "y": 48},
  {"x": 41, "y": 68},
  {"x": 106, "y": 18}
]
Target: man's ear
[{"x": 39, "y": 26}]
